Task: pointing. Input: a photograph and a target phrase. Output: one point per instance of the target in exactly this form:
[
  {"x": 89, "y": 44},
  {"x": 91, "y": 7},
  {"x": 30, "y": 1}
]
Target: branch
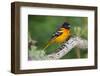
[
  {"x": 67, "y": 46},
  {"x": 60, "y": 52}
]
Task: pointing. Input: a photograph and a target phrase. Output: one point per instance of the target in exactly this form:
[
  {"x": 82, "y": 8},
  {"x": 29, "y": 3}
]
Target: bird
[{"x": 61, "y": 35}]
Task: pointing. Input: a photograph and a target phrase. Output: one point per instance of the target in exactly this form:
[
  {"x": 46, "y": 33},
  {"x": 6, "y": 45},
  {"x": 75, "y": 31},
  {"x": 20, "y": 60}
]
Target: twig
[{"x": 77, "y": 52}]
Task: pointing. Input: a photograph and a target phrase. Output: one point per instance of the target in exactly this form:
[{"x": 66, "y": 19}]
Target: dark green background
[{"x": 42, "y": 27}]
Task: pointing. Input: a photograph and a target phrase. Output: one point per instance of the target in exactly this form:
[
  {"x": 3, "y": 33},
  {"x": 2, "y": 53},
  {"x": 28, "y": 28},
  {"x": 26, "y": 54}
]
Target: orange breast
[{"x": 63, "y": 37}]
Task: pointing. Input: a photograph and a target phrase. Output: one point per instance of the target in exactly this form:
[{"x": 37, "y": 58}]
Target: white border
[{"x": 25, "y": 64}]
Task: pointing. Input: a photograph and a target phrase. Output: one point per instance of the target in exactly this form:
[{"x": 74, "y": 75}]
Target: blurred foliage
[
  {"x": 36, "y": 55},
  {"x": 42, "y": 27}
]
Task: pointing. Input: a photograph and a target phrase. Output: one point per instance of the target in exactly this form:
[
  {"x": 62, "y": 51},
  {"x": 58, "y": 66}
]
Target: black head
[{"x": 66, "y": 25}]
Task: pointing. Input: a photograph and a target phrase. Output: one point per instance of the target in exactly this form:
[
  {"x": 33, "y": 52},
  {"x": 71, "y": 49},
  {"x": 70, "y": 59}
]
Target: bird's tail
[{"x": 48, "y": 44}]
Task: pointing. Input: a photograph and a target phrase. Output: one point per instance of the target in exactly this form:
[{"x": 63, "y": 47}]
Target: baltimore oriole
[{"x": 62, "y": 34}]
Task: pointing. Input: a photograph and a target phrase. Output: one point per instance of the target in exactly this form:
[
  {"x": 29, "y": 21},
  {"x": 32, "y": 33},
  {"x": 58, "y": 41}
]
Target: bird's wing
[
  {"x": 58, "y": 33},
  {"x": 55, "y": 35}
]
